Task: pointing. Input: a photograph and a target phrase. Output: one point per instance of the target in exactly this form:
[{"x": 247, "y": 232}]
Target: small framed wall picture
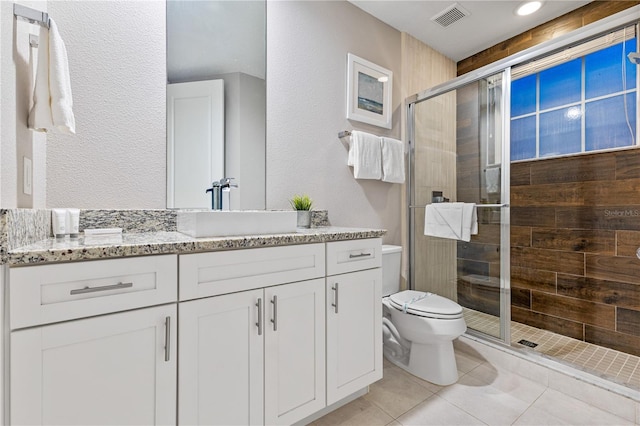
[{"x": 369, "y": 90}]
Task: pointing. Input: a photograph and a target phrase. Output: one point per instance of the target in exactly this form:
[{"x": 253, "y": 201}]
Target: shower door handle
[{"x": 335, "y": 297}]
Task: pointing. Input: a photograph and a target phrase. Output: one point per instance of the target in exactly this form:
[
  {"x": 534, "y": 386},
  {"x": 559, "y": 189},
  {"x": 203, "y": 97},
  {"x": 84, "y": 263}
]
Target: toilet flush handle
[{"x": 335, "y": 297}]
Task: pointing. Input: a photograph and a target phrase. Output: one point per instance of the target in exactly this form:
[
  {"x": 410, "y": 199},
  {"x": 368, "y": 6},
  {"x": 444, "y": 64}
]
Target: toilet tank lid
[{"x": 386, "y": 248}]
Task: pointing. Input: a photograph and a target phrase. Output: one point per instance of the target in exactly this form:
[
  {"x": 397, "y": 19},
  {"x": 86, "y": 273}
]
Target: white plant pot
[{"x": 304, "y": 218}]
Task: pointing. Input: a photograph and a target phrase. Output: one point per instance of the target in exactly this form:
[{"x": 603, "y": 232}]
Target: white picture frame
[{"x": 369, "y": 92}]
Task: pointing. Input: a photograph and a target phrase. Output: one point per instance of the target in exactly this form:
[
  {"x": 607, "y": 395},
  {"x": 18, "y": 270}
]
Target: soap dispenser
[{"x": 225, "y": 193}]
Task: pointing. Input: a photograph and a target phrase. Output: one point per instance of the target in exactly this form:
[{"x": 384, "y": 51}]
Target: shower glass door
[{"x": 458, "y": 151}]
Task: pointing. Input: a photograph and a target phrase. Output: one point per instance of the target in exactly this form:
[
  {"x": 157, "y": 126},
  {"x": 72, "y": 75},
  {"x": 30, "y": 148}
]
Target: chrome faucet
[{"x": 217, "y": 189}]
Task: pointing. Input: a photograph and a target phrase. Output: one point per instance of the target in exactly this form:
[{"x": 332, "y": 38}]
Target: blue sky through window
[{"x": 576, "y": 106}]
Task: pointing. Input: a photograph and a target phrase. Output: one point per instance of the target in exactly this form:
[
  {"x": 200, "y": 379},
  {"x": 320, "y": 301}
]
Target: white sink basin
[{"x": 216, "y": 223}]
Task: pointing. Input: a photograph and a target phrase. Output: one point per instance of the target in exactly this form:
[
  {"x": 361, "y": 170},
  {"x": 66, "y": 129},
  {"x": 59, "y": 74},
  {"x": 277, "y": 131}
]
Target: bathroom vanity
[{"x": 239, "y": 330}]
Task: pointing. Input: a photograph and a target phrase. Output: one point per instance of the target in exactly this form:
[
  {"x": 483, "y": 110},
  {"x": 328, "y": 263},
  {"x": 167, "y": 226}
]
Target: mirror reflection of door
[
  {"x": 223, "y": 39},
  {"x": 195, "y": 141}
]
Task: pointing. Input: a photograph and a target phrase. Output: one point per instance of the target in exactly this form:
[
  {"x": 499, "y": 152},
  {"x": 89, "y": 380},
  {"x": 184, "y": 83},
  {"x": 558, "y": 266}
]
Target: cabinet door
[
  {"x": 354, "y": 332},
  {"x": 221, "y": 360},
  {"x": 294, "y": 351},
  {"x": 114, "y": 369}
]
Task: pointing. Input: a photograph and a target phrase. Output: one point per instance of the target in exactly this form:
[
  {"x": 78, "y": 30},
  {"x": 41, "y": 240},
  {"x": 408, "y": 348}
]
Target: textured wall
[{"x": 117, "y": 159}]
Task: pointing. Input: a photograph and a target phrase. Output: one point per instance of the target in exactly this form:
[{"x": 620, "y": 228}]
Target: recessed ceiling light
[{"x": 528, "y": 8}]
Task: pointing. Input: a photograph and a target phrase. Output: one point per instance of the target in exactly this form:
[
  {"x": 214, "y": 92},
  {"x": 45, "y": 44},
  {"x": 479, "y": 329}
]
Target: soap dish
[
  {"x": 97, "y": 232},
  {"x": 101, "y": 236}
]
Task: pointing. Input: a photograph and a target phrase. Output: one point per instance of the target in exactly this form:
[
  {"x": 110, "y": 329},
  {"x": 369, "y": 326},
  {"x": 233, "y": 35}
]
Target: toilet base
[{"x": 433, "y": 363}]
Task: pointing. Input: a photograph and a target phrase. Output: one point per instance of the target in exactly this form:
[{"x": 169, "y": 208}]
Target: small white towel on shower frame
[{"x": 457, "y": 221}]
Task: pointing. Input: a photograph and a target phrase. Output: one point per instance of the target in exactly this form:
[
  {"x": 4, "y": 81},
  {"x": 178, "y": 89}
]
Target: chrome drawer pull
[
  {"x": 88, "y": 289},
  {"x": 335, "y": 297},
  {"x": 167, "y": 338},
  {"x": 275, "y": 313},
  {"x": 354, "y": 256},
  {"x": 259, "y": 323}
]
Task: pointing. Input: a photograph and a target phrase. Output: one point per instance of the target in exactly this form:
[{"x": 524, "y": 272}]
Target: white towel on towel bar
[
  {"x": 52, "y": 101},
  {"x": 365, "y": 155},
  {"x": 457, "y": 221},
  {"x": 392, "y": 160}
]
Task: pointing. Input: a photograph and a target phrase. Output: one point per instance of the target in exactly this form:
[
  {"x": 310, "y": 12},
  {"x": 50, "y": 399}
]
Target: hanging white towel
[
  {"x": 365, "y": 155},
  {"x": 457, "y": 221},
  {"x": 392, "y": 160},
  {"x": 52, "y": 109}
]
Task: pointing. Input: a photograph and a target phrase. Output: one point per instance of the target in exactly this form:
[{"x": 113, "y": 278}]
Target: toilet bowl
[{"x": 418, "y": 327}]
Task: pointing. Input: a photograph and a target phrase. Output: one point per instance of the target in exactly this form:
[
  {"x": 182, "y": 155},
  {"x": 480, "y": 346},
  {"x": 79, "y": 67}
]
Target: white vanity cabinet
[
  {"x": 294, "y": 351},
  {"x": 256, "y": 356},
  {"x": 354, "y": 316},
  {"x": 113, "y": 368},
  {"x": 260, "y": 336},
  {"x": 221, "y": 360}
]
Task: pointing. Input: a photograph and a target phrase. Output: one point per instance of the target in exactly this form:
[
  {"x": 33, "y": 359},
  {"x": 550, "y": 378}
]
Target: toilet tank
[{"x": 391, "y": 256}]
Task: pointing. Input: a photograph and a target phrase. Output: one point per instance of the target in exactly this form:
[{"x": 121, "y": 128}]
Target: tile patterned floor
[
  {"x": 483, "y": 395},
  {"x": 613, "y": 365}
]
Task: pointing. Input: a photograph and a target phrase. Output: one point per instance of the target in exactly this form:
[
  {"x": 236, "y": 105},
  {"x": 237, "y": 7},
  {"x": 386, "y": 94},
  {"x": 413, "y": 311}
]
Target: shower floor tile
[{"x": 613, "y": 365}]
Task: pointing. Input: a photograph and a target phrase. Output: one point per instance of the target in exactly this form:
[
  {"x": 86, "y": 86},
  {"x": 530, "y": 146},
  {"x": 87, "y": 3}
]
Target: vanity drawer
[
  {"x": 353, "y": 255},
  {"x": 215, "y": 273},
  {"x": 58, "y": 292}
]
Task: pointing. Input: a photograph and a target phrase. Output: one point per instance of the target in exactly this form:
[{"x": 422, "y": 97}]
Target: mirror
[{"x": 216, "y": 101}]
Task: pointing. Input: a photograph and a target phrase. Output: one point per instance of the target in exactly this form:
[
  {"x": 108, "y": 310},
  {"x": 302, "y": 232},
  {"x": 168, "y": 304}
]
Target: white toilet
[{"x": 418, "y": 327}]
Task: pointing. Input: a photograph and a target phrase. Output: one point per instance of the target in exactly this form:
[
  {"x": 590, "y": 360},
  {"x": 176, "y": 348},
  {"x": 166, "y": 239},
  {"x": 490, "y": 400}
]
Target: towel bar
[
  {"x": 31, "y": 15},
  {"x": 477, "y": 205},
  {"x": 344, "y": 133}
]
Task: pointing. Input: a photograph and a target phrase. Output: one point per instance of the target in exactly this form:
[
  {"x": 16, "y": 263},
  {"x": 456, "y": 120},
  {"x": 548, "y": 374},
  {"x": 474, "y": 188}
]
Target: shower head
[{"x": 634, "y": 57}]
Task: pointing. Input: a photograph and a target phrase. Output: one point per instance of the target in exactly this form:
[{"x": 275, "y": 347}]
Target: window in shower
[{"x": 562, "y": 106}]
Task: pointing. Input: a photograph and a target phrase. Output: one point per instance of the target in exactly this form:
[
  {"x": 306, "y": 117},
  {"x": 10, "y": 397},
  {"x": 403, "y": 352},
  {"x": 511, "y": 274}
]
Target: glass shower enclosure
[
  {"x": 458, "y": 152},
  {"x": 545, "y": 144}
]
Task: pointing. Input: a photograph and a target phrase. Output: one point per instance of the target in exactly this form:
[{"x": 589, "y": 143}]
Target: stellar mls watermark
[{"x": 622, "y": 213}]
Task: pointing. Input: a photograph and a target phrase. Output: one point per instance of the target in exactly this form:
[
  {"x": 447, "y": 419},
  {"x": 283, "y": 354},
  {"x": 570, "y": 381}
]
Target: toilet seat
[{"x": 426, "y": 305}]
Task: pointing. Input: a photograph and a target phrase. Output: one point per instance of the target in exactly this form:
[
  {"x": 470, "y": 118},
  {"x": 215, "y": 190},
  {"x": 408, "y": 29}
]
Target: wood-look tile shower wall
[
  {"x": 576, "y": 227},
  {"x": 575, "y": 231}
]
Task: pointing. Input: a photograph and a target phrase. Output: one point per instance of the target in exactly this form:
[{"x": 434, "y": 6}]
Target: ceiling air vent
[{"x": 450, "y": 15}]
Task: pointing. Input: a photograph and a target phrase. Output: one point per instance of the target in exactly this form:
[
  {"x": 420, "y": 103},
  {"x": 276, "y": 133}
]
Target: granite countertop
[{"x": 149, "y": 243}]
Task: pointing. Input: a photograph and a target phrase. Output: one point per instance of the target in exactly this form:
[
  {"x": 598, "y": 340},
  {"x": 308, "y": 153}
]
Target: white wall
[
  {"x": 245, "y": 105},
  {"x": 307, "y": 46},
  {"x": 117, "y": 159}
]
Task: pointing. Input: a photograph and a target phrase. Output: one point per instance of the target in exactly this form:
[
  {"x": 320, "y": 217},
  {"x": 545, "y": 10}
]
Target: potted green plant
[{"x": 302, "y": 204}]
